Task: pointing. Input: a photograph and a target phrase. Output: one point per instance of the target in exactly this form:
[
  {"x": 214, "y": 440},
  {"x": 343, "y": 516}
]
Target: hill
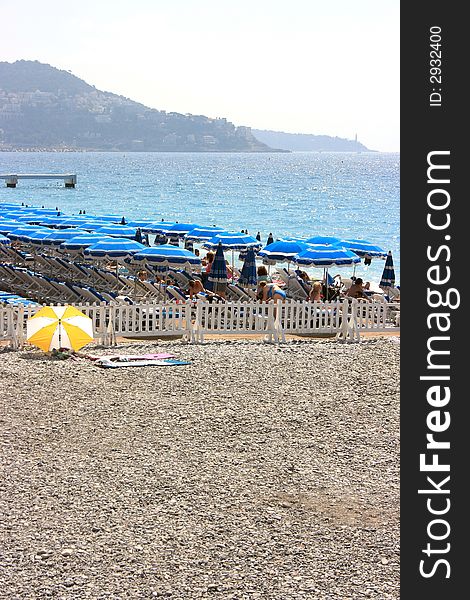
[
  {"x": 308, "y": 142},
  {"x": 44, "y": 108}
]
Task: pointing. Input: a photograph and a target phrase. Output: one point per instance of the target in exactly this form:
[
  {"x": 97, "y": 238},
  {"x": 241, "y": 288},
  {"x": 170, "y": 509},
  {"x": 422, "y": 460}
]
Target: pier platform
[{"x": 11, "y": 179}]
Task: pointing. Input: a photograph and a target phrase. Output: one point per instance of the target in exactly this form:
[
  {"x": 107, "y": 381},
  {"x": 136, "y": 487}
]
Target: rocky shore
[{"x": 257, "y": 471}]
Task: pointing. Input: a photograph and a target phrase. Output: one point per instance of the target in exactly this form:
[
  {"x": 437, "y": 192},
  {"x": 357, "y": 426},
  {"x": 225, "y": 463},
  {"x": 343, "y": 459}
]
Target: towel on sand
[{"x": 124, "y": 362}]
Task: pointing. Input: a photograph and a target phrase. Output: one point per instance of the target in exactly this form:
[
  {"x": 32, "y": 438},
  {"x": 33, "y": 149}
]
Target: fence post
[
  {"x": 197, "y": 335},
  {"x": 349, "y": 331},
  {"x": 110, "y": 333},
  {"x": 279, "y": 331},
  {"x": 20, "y": 327},
  {"x": 11, "y": 331},
  {"x": 189, "y": 323},
  {"x": 270, "y": 328}
]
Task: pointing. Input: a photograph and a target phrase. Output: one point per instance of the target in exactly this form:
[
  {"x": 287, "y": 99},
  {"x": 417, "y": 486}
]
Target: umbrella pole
[
  {"x": 326, "y": 282},
  {"x": 232, "y": 264}
]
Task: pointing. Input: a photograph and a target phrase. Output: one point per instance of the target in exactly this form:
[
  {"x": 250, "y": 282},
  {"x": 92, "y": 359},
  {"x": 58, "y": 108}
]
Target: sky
[{"x": 299, "y": 66}]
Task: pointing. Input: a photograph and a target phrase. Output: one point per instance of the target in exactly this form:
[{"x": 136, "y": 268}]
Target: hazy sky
[{"x": 302, "y": 66}]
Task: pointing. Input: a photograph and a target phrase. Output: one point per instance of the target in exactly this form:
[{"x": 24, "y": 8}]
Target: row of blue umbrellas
[
  {"x": 316, "y": 251},
  {"x": 106, "y": 224}
]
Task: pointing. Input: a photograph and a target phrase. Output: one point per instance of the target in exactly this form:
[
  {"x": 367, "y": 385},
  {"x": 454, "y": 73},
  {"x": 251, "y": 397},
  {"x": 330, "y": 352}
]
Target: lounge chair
[
  {"x": 235, "y": 292},
  {"x": 175, "y": 293}
]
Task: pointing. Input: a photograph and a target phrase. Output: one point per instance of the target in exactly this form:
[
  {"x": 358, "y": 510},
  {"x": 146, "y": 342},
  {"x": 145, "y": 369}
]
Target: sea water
[{"x": 347, "y": 195}]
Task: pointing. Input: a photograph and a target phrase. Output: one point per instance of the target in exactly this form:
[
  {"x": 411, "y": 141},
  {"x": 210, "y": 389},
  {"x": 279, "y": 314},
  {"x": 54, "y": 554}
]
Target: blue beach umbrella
[
  {"x": 9, "y": 205},
  {"x": 14, "y": 217},
  {"x": 181, "y": 229},
  {"x": 92, "y": 225},
  {"x": 113, "y": 248},
  {"x": 233, "y": 241},
  {"x": 21, "y": 231},
  {"x": 388, "y": 275},
  {"x": 13, "y": 213},
  {"x": 167, "y": 255},
  {"x": 76, "y": 220},
  {"x": 31, "y": 234},
  {"x": 29, "y": 218},
  {"x": 248, "y": 277},
  {"x": 80, "y": 242},
  {"x": 4, "y": 241},
  {"x": 141, "y": 224},
  {"x": 290, "y": 238},
  {"x": 363, "y": 248},
  {"x": 56, "y": 238},
  {"x": 107, "y": 218},
  {"x": 323, "y": 255},
  {"x": 157, "y": 226},
  {"x": 36, "y": 237},
  {"x": 117, "y": 231},
  {"x": 323, "y": 239},
  {"x": 217, "y": 278},
  {"x": 204, "y": 234},
  {"x": 53, "y": 221},
  {"x": 43, "y": 211},
  {"x": 8, "y": 225},
  {"x": 282, "y": 251}
]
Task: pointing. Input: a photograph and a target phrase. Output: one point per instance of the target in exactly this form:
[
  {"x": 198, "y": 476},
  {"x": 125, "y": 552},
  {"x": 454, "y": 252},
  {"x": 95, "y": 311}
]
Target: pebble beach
[{"x": 257, "y": 471}]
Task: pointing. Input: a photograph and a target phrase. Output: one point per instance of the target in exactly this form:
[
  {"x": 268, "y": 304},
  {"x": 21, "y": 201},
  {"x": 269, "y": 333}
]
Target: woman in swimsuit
[{"x": 270, "y": 291}]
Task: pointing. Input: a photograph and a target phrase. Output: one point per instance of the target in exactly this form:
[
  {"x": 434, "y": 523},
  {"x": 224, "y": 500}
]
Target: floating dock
[{"x": 11, "y": 180}]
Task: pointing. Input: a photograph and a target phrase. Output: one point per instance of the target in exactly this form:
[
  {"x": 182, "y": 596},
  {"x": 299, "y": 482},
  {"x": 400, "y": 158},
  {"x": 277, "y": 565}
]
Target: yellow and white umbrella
[{"x": 55, "y": 327}]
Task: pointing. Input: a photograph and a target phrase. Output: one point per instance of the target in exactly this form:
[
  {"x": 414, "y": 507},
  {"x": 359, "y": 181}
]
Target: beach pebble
[{"x": 256, "y": 471}]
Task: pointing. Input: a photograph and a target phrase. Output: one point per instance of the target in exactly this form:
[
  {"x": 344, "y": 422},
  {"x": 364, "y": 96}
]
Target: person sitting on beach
[
  {"x": 270, "y": 291},
  {"x": 196, "y": 287},
  {"x": 232, "y": 272},
  {"x": 262, "y": 274},
  {"x": 316, "y": 292},
  {"x": 210, "y": 260},
  {"x": 304, "y": 280},
  {"x": 357, "y": 290}
]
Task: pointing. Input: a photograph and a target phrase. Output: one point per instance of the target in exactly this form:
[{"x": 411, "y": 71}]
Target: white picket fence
[{"x": 195, "y": 320}]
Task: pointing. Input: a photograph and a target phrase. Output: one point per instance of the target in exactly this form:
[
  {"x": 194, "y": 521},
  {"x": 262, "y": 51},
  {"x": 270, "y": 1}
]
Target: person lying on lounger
[{"x": 196, "y": 287}]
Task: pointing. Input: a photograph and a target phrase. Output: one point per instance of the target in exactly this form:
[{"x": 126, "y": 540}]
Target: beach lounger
[
  {"x": 249, "y": 292},
  {"x": 175, "y": 293},
  {"x": 180, "y": 279},
  {"x": 235, "y": 292},
  {"x": 294, "y": 289}
]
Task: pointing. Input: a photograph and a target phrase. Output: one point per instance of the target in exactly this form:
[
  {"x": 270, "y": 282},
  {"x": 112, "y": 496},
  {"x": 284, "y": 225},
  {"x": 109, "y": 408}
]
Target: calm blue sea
[{"x": 299, "y": 194}]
